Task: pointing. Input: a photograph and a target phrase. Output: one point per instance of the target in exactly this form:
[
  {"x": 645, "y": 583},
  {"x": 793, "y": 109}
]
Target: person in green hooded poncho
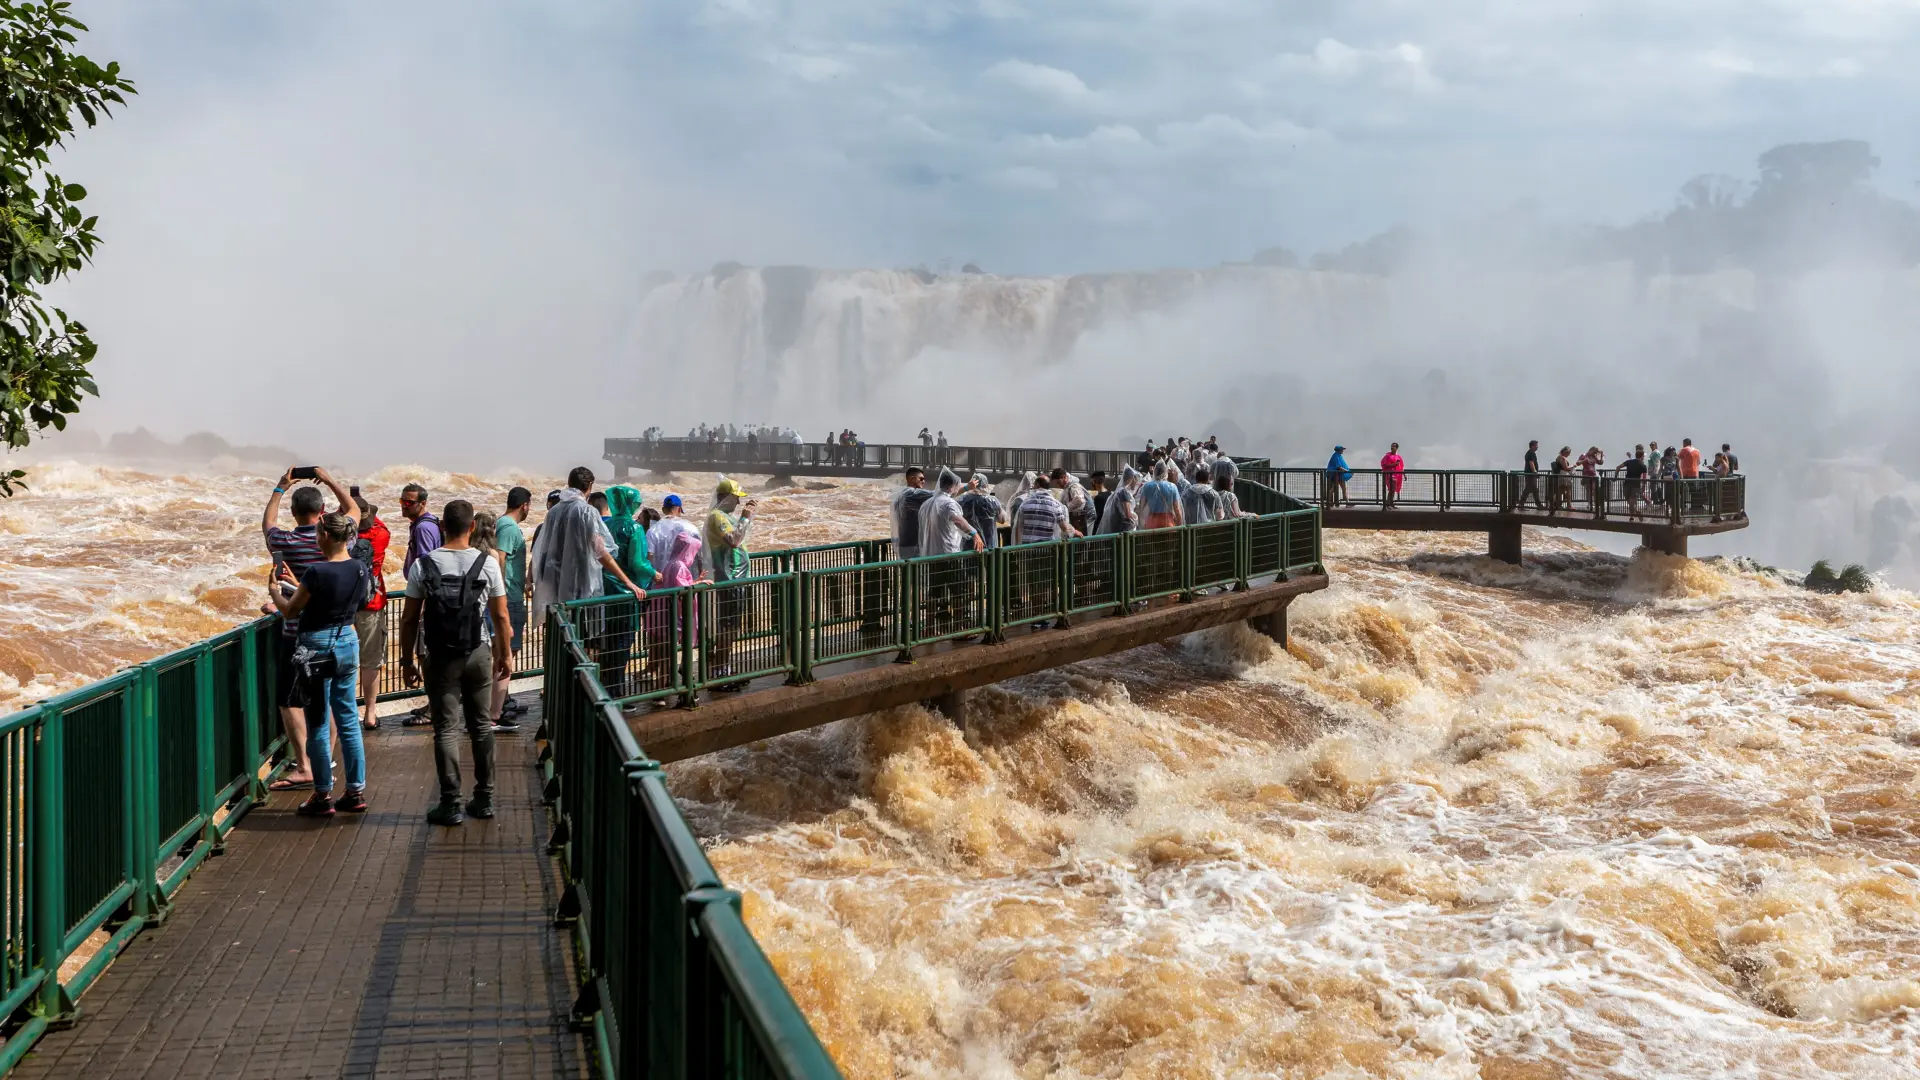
[{"x": 615, "y": 649}]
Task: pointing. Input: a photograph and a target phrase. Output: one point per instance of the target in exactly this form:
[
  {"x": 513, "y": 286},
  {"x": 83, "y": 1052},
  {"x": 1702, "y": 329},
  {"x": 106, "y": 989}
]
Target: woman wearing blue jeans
[{"x": 330, "y": 592}]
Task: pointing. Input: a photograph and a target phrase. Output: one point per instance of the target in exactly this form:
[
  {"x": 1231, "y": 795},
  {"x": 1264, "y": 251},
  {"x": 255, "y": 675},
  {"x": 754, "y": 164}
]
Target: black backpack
[
  {"x": 455, "y": 607},
  {"x": 362, "y": 549}
]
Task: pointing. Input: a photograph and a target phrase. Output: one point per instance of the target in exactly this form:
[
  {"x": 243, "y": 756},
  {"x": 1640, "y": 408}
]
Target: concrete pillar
[
  {"x": 1273, "y": 624},
  {"x": 1667, "y": 541},
  {"x": 951, "y": 705},
  {"x": 619, "y": 470},
  {"x": 1503, "y": 542}
]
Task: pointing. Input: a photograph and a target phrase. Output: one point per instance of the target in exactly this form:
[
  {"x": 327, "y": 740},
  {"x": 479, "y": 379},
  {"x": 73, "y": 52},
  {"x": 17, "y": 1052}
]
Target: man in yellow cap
[{"x": 726, "y": 545}]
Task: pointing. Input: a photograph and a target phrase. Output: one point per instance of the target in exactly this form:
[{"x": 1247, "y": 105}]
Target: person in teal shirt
[
  {"x": 513, "y": 548},
  {"x": 614, "y": 649}
]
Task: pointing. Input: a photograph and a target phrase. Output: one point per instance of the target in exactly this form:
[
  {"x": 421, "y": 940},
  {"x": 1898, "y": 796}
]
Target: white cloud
[
  {"x": 1048, "y": 82},
  {"x": 1217, "y": 130},
  {"x": 1402, "y": 66}
]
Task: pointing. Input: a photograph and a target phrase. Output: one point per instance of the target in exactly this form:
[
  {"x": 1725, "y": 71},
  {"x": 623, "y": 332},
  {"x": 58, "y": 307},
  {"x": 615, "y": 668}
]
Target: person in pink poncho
[{"x": 1393, "y": 470}]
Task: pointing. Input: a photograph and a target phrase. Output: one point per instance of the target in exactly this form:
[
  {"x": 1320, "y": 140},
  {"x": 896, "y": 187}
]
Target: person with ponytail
[{"x": 326, "y": 658}]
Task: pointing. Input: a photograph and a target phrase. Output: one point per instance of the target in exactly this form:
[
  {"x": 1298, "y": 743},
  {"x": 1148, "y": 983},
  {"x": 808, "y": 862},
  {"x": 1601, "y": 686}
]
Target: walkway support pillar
[
  {"x": 1503, "y": 542},
  {"x": 619, "y": 470},
  {"x": 952, "y": 705},
  {"x": 1273, "y": 624},
  {"x": 1666, "y": 541}
]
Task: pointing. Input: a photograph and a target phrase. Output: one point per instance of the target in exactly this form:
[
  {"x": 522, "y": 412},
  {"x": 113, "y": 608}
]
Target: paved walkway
[{"x": 374, "y": 946}]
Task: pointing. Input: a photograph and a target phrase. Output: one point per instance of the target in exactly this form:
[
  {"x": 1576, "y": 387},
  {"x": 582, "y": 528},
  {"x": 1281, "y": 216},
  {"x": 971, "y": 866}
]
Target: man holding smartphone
[{"x": 294, "y": 550}]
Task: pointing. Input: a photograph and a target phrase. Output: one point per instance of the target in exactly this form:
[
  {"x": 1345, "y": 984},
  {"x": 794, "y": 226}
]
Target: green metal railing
[
  {"x": 673, "y": 984},
  {"x": 807, "y": 608},
  {"x": 115, "y": 793}
]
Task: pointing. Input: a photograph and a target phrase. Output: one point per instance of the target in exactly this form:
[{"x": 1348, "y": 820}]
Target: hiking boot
[
  {"x": 353, "y": 802},
  {"x": 481, "y": 806},
  {"x": 317, "y": 805},
  {"x": 446, "y": 813}
]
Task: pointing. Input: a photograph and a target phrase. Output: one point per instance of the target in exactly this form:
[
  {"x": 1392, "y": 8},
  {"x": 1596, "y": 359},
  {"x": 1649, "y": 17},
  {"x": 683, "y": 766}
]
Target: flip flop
[{"x": 289, "y": 785}]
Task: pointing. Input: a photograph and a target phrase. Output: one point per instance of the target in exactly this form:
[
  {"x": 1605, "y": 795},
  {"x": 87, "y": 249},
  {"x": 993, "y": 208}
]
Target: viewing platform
[
  {"x": 874, "y": 461},
  {"x": 1663, "y": 513}
]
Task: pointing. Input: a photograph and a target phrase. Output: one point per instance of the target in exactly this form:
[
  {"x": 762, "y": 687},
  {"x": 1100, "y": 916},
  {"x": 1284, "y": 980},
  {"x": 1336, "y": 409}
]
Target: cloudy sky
[{"x": 390, "y": 192}]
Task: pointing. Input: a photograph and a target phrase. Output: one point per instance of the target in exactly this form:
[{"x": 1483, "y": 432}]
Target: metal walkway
[
  {"x": 371, "y": 946},
  {"x": 875, "y": 461}
]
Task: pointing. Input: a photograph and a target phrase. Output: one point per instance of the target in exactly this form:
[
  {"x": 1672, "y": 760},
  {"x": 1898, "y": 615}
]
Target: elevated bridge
[{"x": 1663, "y": 513}]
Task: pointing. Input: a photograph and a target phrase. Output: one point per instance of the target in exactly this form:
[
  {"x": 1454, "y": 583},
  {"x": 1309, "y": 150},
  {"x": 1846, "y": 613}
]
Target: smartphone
[{"x": 305, "y": 472}]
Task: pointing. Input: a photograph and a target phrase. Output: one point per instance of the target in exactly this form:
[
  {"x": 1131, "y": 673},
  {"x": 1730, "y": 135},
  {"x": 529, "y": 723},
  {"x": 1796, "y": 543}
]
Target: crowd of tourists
[
  {"x": 1647, "y": 462},
  {"x": 1184, "y": 483},
  {"x": 469, "y": 572}
]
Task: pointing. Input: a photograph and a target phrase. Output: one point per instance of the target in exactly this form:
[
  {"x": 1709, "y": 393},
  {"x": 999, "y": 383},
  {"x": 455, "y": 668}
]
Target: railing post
[
  {"x": 49, "y": 881},
  {"x": 803, "y": 629},
  {"x": 1183, "y": 554},
  {"x": 907, "y": 621},
  {"x": 689, "y": 634},
  {"x": 1242, "y": 553}
]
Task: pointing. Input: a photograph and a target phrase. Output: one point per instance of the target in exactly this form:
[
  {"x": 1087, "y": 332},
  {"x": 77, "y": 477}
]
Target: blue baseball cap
[{"x": 671, "y": 500}]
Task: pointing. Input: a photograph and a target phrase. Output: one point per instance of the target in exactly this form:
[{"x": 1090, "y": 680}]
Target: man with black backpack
[{"x": 460, "y": 597}]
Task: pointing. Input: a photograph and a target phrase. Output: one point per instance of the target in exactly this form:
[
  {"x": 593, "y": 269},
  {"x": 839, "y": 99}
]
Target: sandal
[{"x": 284, "y": 784}]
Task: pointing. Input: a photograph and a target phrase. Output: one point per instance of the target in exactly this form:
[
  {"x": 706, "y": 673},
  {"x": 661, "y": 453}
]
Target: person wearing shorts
[{"x": 370, "y": 622}]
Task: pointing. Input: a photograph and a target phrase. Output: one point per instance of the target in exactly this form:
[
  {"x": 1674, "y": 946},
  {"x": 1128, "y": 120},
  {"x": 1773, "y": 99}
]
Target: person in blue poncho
[{"x": 1337, "y": 476}]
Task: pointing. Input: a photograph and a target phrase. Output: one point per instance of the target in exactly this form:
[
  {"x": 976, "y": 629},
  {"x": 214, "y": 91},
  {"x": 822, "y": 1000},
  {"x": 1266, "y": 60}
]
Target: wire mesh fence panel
[
  {"x": 1154, "y": 568},
  {"x": 1417, "y": 487},
  {"x": 1733, "y": 496},
  {"x": 852, "y": 611},
  {"x": 1307, "y": 485},
  {"x": 528, "y": 659},
  {"x": 93, "y": 804},
  {"x": 741, "y": 631},
  {"x": 1093, "y": 572},
  {"x": 828, "y": 556},
  {"x": 1303, "y": 540},
  {"x": 266, "y": 638},
  {"x": 176, "y": 709},
  {"x": 1525, "y": 491},
  {"x": 1697, "y": 498},
  {"x": 612, "y": 635},
  {"x": 1481, "y": 490},
  {"x": 951, "y": 597},
  {"x": 1266, "y": 539},
  {"x": 1215, "y": 552},
  {"x": 229, "y": 712},
  {"x": 1030, "y": 590}
]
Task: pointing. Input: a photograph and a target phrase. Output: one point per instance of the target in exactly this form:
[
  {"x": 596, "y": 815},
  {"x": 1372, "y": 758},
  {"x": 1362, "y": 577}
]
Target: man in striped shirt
[
  {"x": 294, "y": 550},
  {"x": 1041, "y": 517}
]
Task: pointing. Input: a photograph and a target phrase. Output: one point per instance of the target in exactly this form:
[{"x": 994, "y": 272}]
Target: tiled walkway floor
[{"x": 370, "y": 946}]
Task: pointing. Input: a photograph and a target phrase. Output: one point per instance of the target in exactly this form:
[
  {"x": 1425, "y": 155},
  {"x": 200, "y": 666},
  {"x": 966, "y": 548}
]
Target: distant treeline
[{"x": 1813, "y": 205}]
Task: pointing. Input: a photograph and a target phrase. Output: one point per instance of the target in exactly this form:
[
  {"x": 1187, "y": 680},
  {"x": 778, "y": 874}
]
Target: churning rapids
[{"x": 1596, "y": 817}]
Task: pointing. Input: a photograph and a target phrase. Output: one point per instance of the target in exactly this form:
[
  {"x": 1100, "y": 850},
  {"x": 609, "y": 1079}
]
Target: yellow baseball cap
[{"x": 729, "y": 487}]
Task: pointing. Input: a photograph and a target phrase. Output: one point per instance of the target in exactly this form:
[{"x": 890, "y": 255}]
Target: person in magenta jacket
[{"x": 1393, "y": 470}]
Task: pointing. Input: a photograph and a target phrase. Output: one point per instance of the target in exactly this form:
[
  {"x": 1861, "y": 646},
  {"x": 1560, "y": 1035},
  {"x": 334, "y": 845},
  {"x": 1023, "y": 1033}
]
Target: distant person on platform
[
  {"x": 1160, "y": 498},
  {"x": 1633, "y": 472},
  {"x": 1199, "y": 503},
  {"x": 940, "y": 444},
  {"x": 293, "y": 551},
  {"x": 905, "y": 511},
  {"x": 725, "y": 538},
  {"x": 1338, "y": 473},
  {"x": 1393, "y": 473},
  {"x": 370, "y": 622},
  {"x": 1733, "y": 459},
  {"x": 926, "y": 440},
  {"x": 1560, "y": 491},
  {"x": 983, "y": 510},
  {"x": 511, "y": 540},
  {"x": 327, "y": 659},
  {"x": 574, "y": 549},
  {"x": 456, "y": 620},
  {"x": 1121, "y": 512},
  {"x": 1225, "y": 475},
  {"x": 1531, "y": 470}
]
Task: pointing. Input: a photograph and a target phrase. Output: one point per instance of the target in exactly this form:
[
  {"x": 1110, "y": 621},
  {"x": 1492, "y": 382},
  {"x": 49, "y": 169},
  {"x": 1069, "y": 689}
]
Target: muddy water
[{"x": 1596, "y": 817}]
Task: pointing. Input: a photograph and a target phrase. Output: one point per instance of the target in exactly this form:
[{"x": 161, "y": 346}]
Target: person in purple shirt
[
  {"x": 423, "y": 529},
  {"x": 423, "y": 535}
]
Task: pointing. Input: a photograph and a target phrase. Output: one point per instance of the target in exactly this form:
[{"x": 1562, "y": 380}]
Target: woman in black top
[{"x": 327, "y": 655}]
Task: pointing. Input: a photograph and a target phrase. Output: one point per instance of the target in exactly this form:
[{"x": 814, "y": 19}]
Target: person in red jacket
[{"x": 371, "y": 621}]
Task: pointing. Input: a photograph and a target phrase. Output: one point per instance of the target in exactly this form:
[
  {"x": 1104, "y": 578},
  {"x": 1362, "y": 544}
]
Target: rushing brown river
[{"x": 1594, "y": 817}]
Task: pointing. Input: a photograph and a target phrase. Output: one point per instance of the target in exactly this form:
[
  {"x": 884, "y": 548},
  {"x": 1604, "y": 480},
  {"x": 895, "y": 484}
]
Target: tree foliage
[
  {"x": 44, "y": 236},
  {"x": 1854, "y": 578}
]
